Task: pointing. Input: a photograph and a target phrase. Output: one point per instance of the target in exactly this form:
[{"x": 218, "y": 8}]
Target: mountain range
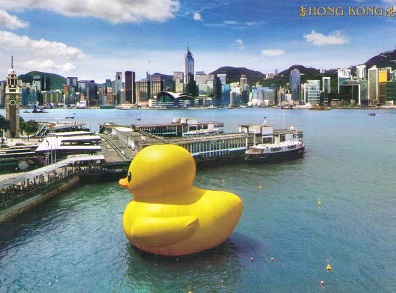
[{"x": 385, "y": 59}]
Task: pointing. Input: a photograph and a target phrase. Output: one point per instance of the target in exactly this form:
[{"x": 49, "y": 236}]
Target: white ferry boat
[{"x": 274, "y": 144}]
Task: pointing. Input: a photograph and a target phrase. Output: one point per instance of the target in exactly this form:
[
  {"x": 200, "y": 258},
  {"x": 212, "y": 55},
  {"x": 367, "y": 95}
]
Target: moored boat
[{"x": 275, "y": 144}]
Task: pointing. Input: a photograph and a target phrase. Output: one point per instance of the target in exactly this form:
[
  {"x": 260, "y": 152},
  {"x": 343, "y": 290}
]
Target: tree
[
  {"x": 31, "y": 127},
  {"x": 4, "y": 126}
]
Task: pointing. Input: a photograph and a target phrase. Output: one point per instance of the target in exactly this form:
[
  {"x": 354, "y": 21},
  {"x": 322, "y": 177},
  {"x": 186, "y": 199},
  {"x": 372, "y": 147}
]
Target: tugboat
[
  {"x": 38, "y": 110},
  {"x": 274, "y": 144}
]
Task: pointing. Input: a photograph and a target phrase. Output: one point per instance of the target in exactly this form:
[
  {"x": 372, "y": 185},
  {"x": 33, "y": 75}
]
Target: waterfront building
[
  {"x": 222, "y": 77},
  {"x": 221, "y": 89},
  {"x": 72, "y": 81},
  {"x": 383, "y": 77},
  {"x": 391, "y": 92},
  {"x": 178, "y": 81},
  {"x": 88, "y": 92},
  {"x": 326, "y": 88},
  {"x": 189, "y": 72},
  {"x": 205, "y": 87},
  {"x": 43, "y": 83},
  {"x": 243, "y": 82},
  {"x": 262, "y": 96},
  {"x": 280, "y": 95},
  {"x": 373, "y": 84},
  {"x": 166, "y": 99},
  {"x": 354, "y": 91},
  {"x": 361, "y": 71},
  {"x": 143, "y": 92},
  {"x": 52, "y": 98},
  {"x": 312, "y": 92},
  {"x": 156, "y": 85},
  {"x": 25, "y": 95},
  {"x": 12, "y": 101},
  {"x": 118, "y": 87},
  {"x": 295, "y": 84},
  {"x": 130, "y": 87},
  {"x": 326, "y": 84},
  {"x": 71, "y": 98},
  {"x": 343, "y": 75}
]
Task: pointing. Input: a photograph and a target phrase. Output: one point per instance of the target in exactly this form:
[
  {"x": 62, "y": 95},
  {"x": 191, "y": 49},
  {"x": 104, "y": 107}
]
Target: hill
[
  {"x": 56, "y": 81},
  {"x": 385, "y": 59},
  {"x": 234, "y": 74}
]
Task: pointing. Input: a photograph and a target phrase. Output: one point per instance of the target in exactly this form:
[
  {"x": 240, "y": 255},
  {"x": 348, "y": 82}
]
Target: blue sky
[{"x": 94, "y": 39}]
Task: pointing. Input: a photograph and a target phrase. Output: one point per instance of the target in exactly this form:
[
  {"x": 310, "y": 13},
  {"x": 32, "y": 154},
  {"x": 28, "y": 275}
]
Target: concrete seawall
[{"x": 36, "y": 200}]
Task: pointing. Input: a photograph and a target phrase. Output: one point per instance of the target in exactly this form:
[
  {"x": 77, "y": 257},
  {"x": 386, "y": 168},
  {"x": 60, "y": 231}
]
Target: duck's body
[{"x": 178, "y": 218}]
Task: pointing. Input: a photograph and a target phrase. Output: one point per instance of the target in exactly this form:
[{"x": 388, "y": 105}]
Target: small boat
[
  {"x": 69, "y": 117},
  {"x": 26, "y": 111},
  {"x": 39, "y": 111},
  {"x": 372, "y": 114}
]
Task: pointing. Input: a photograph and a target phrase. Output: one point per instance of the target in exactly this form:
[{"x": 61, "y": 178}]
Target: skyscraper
[
  {"x": 188, "y": 71},
  {"x": 361, "y": 71},
  {"x": 294, "y": 84},
  {"x": 130, "y": 87},
  {"x": 326, "y": 88},
  {"x": 178, "y": 78},
  {"x": 312, "y": 91},
  {"x": 373, "y": 84},
  {"x": 117, "y": 88},
  {"x": 343, "y": 75}
]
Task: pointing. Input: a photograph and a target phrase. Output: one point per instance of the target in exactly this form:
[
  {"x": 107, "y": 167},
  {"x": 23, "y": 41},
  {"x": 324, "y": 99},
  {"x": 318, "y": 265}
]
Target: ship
[{"x": 274, "y": 144}]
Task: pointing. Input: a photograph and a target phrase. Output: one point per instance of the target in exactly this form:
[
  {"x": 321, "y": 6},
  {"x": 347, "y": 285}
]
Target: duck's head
[{"x": 159, "y": 170}]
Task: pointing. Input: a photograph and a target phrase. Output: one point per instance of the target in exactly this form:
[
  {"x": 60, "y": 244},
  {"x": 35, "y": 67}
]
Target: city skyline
[{"x": 96, "y": 39}]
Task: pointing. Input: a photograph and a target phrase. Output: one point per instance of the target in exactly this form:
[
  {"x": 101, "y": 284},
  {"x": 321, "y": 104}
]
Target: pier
[
  {"x": 23, "y": 191},
  {"x": 82, "y": 156}
]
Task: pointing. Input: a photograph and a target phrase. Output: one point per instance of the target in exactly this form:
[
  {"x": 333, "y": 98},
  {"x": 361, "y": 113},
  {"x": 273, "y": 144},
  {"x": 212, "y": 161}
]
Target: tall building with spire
[
  {"x": 188, "y": 71},
  {"x": 12, "y": 101}
]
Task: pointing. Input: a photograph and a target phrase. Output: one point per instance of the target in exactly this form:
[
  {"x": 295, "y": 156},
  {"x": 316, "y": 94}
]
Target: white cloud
[
  {"x": 240, "y": 44},
  {"x": 197, "y": 16},
  {"x": 320, "y": 40},
  {"x": 10, "y": 41},
  {"x": 272, "y": 52},
  {"x": 48, "y": 66},
  {"x": 11, "y": 22},
  {"x": 115, "y": 11}
]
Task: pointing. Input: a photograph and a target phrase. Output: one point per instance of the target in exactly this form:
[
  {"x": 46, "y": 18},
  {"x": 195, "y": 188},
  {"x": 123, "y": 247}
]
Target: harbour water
[{"x": 283, "y": 242}]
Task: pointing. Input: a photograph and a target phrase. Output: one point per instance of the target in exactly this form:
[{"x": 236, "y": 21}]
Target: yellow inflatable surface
[{"x": 168, "y": 215}]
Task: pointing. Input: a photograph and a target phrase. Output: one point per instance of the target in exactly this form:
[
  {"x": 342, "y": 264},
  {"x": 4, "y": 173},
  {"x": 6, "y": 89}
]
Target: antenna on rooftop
[{"x": 12, "y": 62}]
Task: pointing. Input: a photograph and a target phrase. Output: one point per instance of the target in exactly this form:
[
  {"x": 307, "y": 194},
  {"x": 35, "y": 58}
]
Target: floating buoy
[
  {"x": 251, "y": 259},
  {"x": 319, "y": 202},
  {"x": 260, "y": 186},
  {"x": 328, "y": 267},
  {"x": 223, "y": 181}
]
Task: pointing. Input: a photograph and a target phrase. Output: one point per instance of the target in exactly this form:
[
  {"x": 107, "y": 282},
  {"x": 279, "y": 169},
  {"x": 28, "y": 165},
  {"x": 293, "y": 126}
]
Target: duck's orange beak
[{"x": 123, "y": 182}]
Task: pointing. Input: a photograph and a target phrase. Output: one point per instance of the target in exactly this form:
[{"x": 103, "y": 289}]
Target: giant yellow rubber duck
[{"x": 168, "y": 215}]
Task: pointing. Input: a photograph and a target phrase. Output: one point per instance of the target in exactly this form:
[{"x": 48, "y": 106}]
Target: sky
[{"x": 93, "y": 39}]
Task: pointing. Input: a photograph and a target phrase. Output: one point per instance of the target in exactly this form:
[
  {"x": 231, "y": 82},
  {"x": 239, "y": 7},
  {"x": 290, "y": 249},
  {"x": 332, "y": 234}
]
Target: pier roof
[
  {"x": 11, "y": 179},
  {"x": 70, "y": 143}
]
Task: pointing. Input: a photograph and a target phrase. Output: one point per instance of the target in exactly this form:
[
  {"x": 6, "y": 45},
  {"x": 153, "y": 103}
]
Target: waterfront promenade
[{"x": 22, "y": 191}]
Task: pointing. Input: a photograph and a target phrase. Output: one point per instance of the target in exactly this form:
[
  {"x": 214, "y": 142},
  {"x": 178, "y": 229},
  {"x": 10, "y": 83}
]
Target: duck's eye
[{"x": 129, "y": 176}]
